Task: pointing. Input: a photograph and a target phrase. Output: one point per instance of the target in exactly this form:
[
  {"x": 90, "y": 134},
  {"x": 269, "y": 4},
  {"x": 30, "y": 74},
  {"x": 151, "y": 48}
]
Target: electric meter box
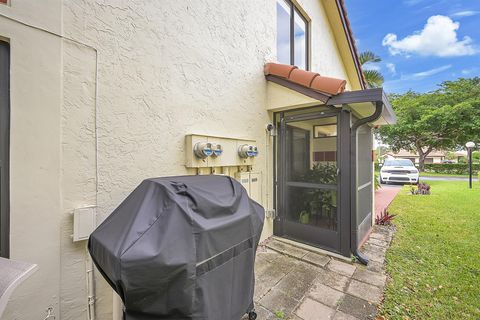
[
  {"x": 252, "y": 182},
  {"x": 225, "y": 151}
]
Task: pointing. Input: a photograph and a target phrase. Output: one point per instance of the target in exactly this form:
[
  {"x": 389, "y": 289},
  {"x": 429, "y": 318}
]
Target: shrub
[
  {"x": 422, "y": 189},
  {"x": 376, "y": 181},
  {"x": 385, "y": 218},
  {"x": 451, "y": 168}
]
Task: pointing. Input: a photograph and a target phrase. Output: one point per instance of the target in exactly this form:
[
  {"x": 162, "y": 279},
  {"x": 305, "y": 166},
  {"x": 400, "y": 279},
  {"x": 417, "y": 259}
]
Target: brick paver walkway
[{"x": 304, "y": 285}]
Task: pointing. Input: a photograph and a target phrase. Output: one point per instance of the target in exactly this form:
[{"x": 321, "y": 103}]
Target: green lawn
[
  {"x": 434, "y": 260},
  {"x": 434, "y": 174}
]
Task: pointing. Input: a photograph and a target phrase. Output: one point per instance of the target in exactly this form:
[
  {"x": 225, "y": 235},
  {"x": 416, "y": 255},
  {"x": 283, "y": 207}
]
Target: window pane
[
  {"x": 326, "y": 127},
  {"x": 283, "y": 32},
  {"x": 300, "y": 29}
]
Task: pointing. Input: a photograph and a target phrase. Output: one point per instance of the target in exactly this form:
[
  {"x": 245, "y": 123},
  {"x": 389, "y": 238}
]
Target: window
[
  {"x": 326, "y": 128},
  {"x": 292, "y": 35}
]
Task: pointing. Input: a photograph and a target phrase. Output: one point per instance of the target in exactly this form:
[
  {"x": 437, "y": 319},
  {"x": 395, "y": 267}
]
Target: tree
[
  {"x": 440, "y": 120},
  {"x": 373, "y": 77}
]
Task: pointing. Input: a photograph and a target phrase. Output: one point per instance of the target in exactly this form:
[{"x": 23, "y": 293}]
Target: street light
[{"x": 470, "y": 145}]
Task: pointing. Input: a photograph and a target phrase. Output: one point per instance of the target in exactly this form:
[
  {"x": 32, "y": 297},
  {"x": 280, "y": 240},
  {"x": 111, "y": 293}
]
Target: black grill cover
[{"x": 181, "y": 248}]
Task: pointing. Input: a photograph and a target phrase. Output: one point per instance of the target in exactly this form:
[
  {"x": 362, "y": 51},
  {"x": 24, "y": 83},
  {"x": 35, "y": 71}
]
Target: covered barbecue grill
[{"x": 182, "y": 248}]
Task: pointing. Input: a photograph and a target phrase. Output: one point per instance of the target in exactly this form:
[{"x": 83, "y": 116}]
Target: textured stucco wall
[
  {"x": 35, "y": 151},
  {"x": 165, "y": 69}
]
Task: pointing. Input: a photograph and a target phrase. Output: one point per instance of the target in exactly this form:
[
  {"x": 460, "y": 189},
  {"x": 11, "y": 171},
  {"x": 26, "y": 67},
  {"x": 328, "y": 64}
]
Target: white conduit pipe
[{"x": 90, "y": 287}]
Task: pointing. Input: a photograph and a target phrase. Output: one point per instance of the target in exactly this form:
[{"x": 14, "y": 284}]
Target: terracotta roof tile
[
  {"x": 305, "y": 78},
  {"x": 313, "y": 80},
  {"x": 330, "y": 85},
  {"x": 281, "y": 70}
]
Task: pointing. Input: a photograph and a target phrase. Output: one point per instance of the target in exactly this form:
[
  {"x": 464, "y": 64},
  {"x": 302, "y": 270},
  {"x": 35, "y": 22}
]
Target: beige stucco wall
[
  {"x": 115, "y": 104},
  {"x": 35, "y": 158}
]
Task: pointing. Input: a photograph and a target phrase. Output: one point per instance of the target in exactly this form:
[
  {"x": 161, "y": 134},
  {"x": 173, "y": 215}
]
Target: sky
[{"x": 421, "y": 42}]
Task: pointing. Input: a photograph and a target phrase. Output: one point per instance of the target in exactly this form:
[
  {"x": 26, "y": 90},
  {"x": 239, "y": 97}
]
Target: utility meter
[
  {"x": 203, "y": 149},
  {"x": 217, "y": 150},
  {"x": 254, "y": 151},
  {"x": 247, "y": 151}
]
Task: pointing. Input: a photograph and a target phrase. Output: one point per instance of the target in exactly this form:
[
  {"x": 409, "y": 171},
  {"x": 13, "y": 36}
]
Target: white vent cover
[{"x": 84, "y": 222}]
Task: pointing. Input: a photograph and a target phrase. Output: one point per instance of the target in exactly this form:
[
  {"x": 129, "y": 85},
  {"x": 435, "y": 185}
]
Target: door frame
[
  {"x": 5, "y": 149},
  {"x": 343, "y": 182}
]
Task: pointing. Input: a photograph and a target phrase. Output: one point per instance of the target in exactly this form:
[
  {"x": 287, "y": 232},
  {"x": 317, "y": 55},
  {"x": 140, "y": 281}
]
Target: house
[
  {"x": 96, "y": 96},
  {"x": 461, "y": 156},
  {"x": 433, "y": 157}
]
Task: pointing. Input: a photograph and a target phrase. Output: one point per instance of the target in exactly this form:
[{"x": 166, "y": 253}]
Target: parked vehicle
[
  {"x": 399, "y": 170},
  {"x": 448, "y": 161}
]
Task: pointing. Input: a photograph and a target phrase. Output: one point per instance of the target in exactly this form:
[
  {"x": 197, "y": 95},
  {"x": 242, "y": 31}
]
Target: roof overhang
[
  {"x": 364, "y": 102},
  {"x": 285, "y": 95}
]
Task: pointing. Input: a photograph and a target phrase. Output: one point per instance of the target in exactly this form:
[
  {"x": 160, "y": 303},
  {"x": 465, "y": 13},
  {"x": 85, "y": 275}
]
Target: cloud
[
  {"x": 438, "y": 38},
  {"x": 391, "y": 67},
  {"x": 466, "y": 13},
  {"x": 371, "y": 66},
  {"x": 467, "y": 72},
  {"x": 414, "y": 81},
  {"x": 431, "y": 72},
  {"x": 425, "y": 74},
  {"x": 412, "y": 2}
]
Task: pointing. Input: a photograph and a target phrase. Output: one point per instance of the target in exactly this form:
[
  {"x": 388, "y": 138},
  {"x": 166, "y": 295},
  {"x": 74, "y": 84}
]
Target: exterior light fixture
[{"x": 470, "y": 145}]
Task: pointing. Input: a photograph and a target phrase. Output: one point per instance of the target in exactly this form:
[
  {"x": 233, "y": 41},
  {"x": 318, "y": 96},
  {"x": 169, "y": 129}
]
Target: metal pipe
[{"x": 353, "y": 178}]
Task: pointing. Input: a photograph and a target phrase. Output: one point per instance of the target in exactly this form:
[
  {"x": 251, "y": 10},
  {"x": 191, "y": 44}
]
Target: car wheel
[{"x": 381, "y": 181}]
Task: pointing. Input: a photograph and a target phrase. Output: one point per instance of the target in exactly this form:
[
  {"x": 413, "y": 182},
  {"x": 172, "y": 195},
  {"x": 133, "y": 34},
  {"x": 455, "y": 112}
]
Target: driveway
[{"x": 384, "y": 196}]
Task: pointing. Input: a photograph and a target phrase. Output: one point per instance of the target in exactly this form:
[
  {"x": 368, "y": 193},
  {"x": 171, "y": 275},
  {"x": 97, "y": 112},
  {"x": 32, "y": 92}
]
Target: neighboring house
[
  {"x": 433, "y": 157},
  {"x": 461, "y": 156},
  {"x": 96, "y": 96}
]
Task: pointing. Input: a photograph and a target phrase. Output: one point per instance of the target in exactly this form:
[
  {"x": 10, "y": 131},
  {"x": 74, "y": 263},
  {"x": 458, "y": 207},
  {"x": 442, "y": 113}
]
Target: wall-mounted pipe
[
  {"x": 90, "y": 287},
  {"x": 353, "y": 177}
]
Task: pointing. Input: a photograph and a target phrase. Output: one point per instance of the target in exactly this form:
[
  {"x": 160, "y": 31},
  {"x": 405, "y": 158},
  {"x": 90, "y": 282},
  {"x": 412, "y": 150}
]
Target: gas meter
[
  {"x": 203, "y": 149},
  {"x": 247, "y": 151}
]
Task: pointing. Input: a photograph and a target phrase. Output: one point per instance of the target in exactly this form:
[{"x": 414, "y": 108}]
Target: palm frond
[
  {"x": 368, "y": 56},
  {"x": 374, "y": 78}
]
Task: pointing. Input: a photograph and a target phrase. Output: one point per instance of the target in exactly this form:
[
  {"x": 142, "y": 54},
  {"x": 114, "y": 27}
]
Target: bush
[
  {"x": 385, "y": 218},
  {"x": 451, "y": 168},
  {"x": 422, "y": 189}
]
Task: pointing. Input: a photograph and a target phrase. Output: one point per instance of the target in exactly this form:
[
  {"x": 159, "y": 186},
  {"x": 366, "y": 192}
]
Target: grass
[
  {"x": 434, "y": 260},
  {"x": 434, "y": 174}
]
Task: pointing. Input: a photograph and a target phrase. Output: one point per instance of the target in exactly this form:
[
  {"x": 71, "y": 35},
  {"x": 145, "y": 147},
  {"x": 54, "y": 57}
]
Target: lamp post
[{"x": 470, "y": 145}]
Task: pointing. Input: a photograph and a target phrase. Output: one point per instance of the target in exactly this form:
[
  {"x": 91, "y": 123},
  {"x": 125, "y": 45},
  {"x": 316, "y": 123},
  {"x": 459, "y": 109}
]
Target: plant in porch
[
  {"x": 319, "y": 202},
  {"x": 304, "y": 217}
]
